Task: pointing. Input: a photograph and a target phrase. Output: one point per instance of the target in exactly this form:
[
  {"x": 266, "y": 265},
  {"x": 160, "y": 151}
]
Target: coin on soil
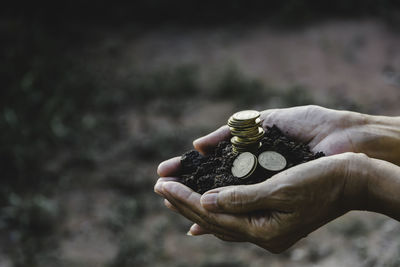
[
  {"x": 244, "y": 165},
  {"x": 272, "y": 161}
]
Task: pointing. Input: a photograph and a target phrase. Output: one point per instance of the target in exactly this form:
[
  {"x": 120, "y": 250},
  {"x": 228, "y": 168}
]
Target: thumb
[
  {"x": 207, "y": 144},
  {"x": 237, "y": 199}
]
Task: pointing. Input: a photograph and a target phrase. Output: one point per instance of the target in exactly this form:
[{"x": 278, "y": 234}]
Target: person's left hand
[{"x": 278, "y": 212}]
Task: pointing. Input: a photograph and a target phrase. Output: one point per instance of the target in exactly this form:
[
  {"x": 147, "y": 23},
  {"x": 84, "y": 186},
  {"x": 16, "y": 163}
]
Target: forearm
[
  {"x": 383, "y": 188},
  {"x": 379, "y": 137}
]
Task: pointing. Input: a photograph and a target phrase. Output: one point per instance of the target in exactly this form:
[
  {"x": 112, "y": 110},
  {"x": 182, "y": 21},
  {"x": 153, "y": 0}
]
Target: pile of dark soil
[{"x": 202, "y": 173}]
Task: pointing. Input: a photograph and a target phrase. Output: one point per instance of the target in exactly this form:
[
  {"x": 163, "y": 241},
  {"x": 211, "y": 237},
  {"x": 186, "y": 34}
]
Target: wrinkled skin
[{"x": 278, "y": 212}]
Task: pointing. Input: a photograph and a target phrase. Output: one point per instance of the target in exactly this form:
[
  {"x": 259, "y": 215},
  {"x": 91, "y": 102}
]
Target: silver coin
[
  {"x": 244, "y": 165},
  {"x": 272, "y": 161}
]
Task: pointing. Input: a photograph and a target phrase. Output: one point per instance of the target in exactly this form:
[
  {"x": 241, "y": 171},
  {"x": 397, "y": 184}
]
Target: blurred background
[{"x": 95, "y": 94}]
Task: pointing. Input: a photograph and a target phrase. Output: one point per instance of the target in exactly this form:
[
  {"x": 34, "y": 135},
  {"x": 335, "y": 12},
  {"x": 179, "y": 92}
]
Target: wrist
[
  {"x": 378, "y": 137},
  {"x": 355, "y": 185},
  {"x": 383, "y": 188}
]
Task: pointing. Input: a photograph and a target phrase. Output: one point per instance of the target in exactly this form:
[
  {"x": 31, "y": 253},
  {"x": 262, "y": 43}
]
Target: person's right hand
[
  {"x": 326, "y": 130},
  {"x": 333, "y": 132},
  {"x": 278, "y": 212}
]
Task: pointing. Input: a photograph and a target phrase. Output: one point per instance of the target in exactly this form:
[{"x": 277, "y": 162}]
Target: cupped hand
[
  {"x": 278, "y": 212},
  {"x": 327, "y": 130},
  {"x": 290, "y": 120},
  {"x": 334, "y": 131}
]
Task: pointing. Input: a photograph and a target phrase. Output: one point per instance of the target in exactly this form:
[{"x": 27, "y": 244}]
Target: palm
[{"x": 322, "y": 129}]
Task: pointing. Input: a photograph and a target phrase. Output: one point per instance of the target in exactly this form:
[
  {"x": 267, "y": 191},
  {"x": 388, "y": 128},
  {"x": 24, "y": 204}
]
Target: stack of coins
[{"x": 246, "y": 131}]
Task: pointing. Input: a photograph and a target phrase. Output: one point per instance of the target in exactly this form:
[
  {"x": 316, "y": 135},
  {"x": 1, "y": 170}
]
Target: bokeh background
[{"x": 95, "y": 94}]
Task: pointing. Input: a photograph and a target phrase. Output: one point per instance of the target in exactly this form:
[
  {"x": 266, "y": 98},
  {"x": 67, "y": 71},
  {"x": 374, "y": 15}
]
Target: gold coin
[
  {"x": 244, "y": 124},
  {"x": 258, "y": 136},
  {"x": 246, "y": 115},
  {"x": 240, "y": 123},
  {"x": 253, "y": 127},
  {"x": 249, "y": 139},
  {"x": 244, "y": 134},
  {"x": 272, "y": 161},
  {"x": 244, "y": 165},
  {"x": 241, "y": 142}
]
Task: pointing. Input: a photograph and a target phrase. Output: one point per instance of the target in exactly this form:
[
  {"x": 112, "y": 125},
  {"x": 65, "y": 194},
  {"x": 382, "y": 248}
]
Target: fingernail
[
  {"x": 189, "y": 233},
  {"x": 196, "y": 141},
  {"x": 210, "y": 201},
  {"x": 195, "y": 228}
]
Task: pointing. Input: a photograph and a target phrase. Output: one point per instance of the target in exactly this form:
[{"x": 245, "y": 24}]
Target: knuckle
[
  {"x": 353, "y": 157},
  {"x": 236, "y": 199},
  {"x": 312, "y": 109},
  {"x": 361, "y": 156}
]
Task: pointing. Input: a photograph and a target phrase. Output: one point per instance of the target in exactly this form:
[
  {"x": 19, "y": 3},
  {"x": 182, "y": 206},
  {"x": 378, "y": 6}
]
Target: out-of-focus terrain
[{"x": 85, "y": 126}]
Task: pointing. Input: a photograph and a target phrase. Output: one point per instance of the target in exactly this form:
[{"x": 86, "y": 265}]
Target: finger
[
  {"x": 246, "y": 198},
  {"x": 168, "y": 179},
  {"x": 158, "y": 185},
  {"x": 282, "y": 192},
  {"x": 169, "y": 205},
  {"x": 234, "y": 199},
  {"x": 169, "y": 167},
  {"x": 187, "y": 202},
  {"x": 192, "y": 216},
  {"x": 206, "y": 144},
  {"x": 196, "y": 229}
]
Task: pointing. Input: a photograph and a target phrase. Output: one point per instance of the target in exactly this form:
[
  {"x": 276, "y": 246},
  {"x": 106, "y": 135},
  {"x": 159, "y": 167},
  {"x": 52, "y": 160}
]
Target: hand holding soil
[
  {"x": 276, "y": 213},
  {"x": 333, "y": 131}
]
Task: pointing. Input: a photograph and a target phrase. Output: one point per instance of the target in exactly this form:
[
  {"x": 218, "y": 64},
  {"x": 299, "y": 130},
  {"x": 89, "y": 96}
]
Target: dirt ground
[
  {"x": 354, "y": 60},
  {"x": 340, "y": 64}
]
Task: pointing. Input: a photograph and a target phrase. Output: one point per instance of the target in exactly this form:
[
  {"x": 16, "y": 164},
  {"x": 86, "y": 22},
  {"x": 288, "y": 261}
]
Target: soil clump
[{"x": 202, "y": 173}]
